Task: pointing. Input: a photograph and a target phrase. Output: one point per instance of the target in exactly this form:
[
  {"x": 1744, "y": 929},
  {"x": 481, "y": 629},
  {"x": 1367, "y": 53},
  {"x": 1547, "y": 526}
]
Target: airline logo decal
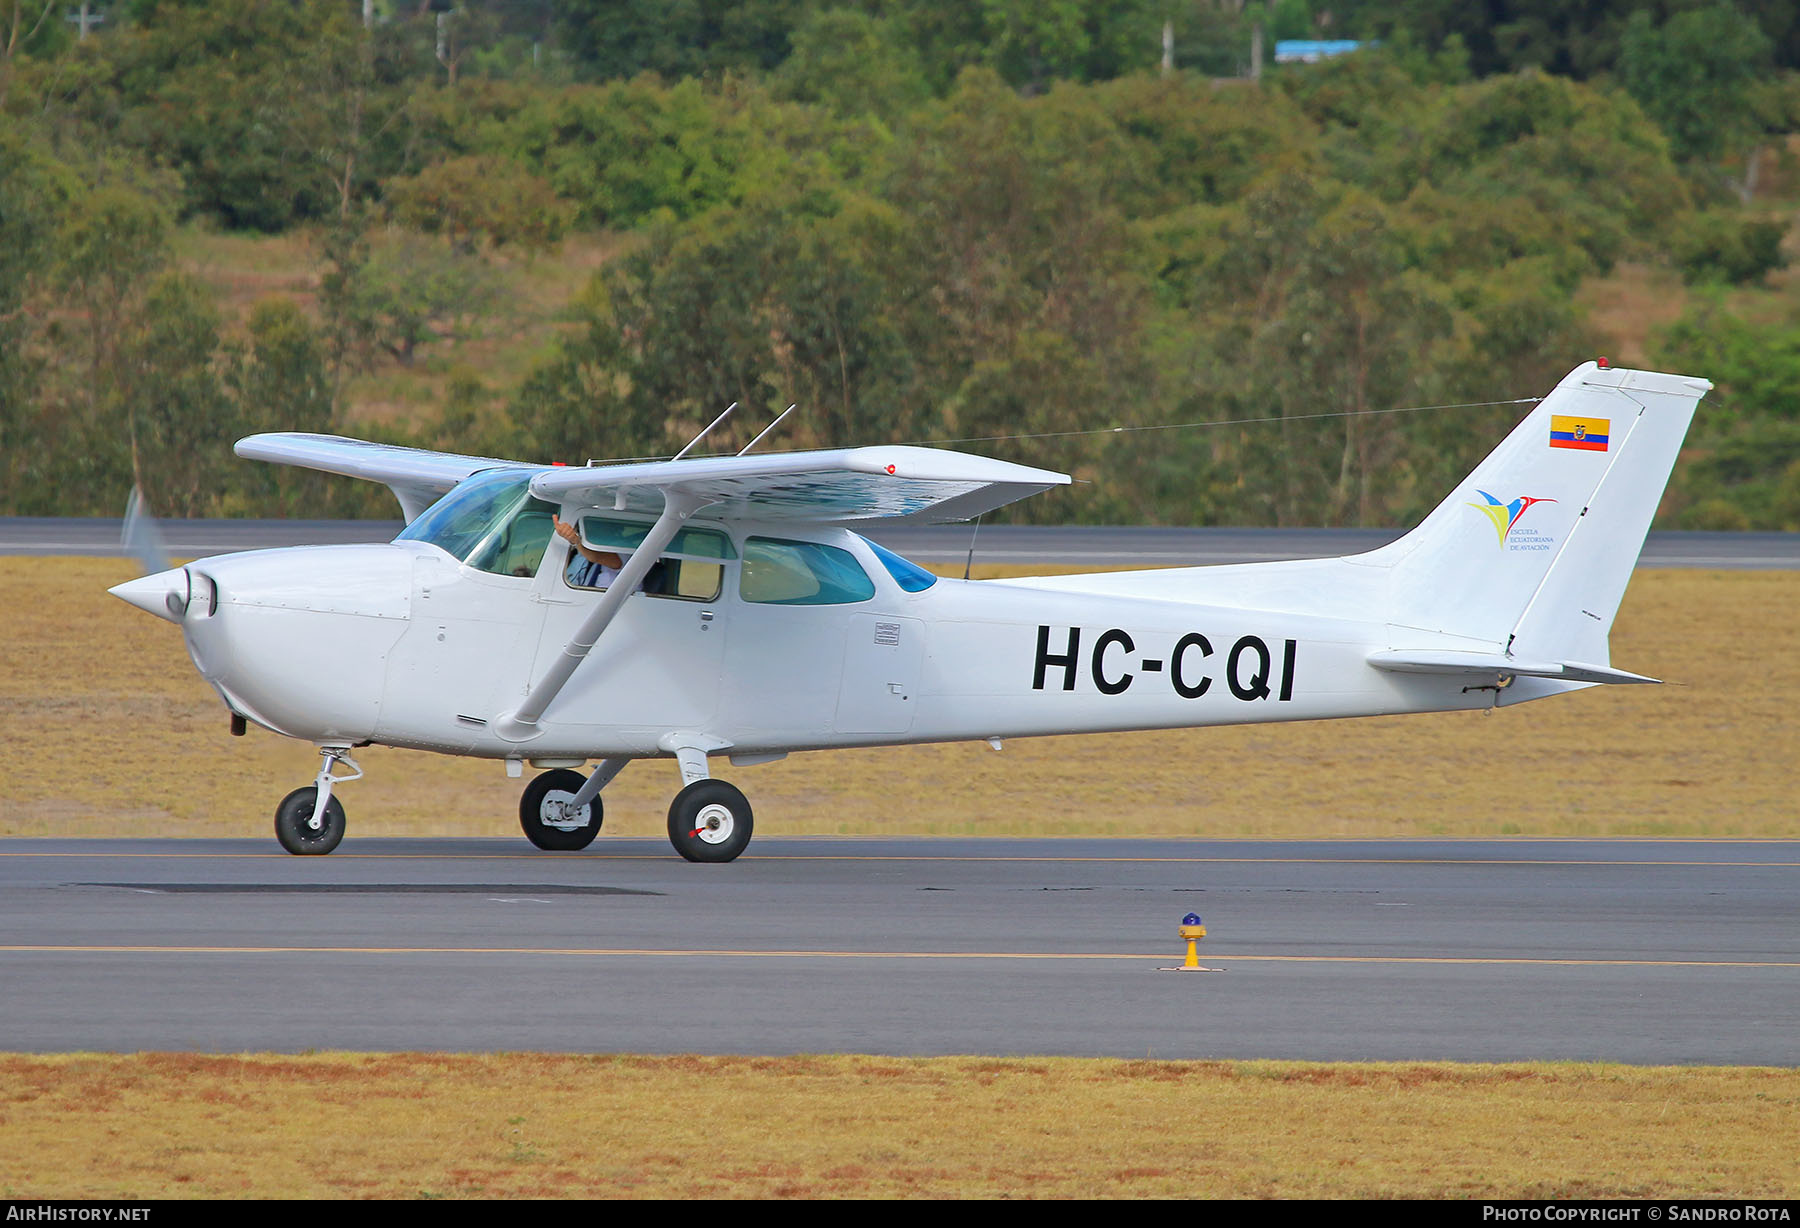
[
  {"x": 1581, "y": 434},
  {"x": 1505, "y": 517}
]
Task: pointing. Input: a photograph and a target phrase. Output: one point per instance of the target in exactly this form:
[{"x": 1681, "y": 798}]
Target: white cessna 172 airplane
[{"x": 749, "y": 619}]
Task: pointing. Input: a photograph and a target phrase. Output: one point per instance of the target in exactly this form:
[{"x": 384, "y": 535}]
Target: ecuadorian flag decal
[{"x": 1582, "y": 434}]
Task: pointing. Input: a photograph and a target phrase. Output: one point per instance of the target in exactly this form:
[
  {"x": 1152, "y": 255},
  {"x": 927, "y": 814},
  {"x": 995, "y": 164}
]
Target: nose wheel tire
[
  {"x": 710, "y": 821},
  {"x": 293, "y": 823},
  {"x": 547, "y": 823}
]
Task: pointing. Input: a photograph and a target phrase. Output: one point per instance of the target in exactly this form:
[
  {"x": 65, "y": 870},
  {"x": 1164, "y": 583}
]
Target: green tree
[
  {"x": 677, "y": 38},
  {"x": 1182, "y": 141},
  {"x": 1713, "y": 245},
  {"x": 179, "y": 417},
  {"x": 576, "y": 404},
  {"x": 1011, "y": 238},
  {"x": 752, "y": 308},
  {"x": 1696, "y": 73},
  {"x": 1589, "y": 163},
  {"x": 1031, "y": 41},
  {"x": 472, "y": 200},
  {"x": 278, "y": 380},
  {"x": 1308, "y": 307},
  {"x": 110, "y": 244},
  {"x": 34, "y": 189},
  {"x": 24, "y": 24},
  {"x": 265, "y": 106},
  {"x": 1741, "y": 468},
  {"x": 396, "y": 292},
  {"x": 620, "y": 152},
  {"x": 855, "y": 63}
]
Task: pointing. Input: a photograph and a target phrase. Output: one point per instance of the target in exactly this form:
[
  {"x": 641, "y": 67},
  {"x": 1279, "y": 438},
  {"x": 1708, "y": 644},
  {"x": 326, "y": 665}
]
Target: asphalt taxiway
[
  {"x": 1032, "y": 545},
  {"x": 1635, "y": 951}
]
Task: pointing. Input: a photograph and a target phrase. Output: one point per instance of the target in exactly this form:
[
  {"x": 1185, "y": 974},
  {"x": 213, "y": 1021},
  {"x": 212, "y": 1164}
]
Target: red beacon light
[{"x": 1602, "y": 363}]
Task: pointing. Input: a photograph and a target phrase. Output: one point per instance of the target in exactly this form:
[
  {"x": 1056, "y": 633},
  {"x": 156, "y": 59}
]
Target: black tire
[
  {"x": 559, "y": 785},
  {"x": 293, "y": 824},
  {"x": 710, "y": 821}
]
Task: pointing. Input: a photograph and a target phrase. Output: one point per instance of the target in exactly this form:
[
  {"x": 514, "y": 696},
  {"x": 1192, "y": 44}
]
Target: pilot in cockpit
[{"x": 594, "y": 568}]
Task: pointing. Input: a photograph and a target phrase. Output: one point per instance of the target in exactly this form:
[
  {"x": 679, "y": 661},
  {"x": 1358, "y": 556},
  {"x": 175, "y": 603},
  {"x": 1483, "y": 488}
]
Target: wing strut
[{"x": 521, "y": 725}]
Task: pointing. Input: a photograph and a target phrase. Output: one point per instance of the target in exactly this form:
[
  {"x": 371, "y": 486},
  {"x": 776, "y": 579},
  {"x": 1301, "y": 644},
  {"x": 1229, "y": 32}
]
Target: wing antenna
[
  {"x": 768, "y": 428},
  {"x": 703, "y": 434}
]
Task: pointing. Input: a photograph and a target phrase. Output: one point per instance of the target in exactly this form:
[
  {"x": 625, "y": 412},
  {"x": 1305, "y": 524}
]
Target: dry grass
[
  {"x": 244, "y": 269},
  {"x": 111, "y": 732},
  {"x": 426, "y": 1125}
]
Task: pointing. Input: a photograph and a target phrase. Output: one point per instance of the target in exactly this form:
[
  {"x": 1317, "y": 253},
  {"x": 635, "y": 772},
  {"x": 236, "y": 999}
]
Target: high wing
[
  {"x": 844, "y": 484},
  {"x": 838, "y": 485},
  {"x": 417, "y": 477}
]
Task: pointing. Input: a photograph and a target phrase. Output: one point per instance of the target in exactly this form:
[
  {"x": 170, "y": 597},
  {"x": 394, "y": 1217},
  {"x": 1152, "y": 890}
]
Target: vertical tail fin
[{"x": 1533, "y": 550}]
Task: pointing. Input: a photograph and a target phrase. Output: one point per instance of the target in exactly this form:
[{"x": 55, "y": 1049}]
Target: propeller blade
[{"x": 141, "y": 537}]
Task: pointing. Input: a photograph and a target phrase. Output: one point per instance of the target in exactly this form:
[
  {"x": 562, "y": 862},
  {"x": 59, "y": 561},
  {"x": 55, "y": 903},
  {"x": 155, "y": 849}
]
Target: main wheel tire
[
  {"x": 535, "y": 814},
  {"x": 293, "y": 823},
  {"x": 710, "y": 820}
]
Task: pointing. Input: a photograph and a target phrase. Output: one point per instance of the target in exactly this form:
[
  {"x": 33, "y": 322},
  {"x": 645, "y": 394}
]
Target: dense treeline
[{"x": 1013, "y": 222}]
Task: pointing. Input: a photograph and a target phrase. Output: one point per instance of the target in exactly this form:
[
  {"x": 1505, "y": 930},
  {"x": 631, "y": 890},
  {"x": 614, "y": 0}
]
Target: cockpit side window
[
  {"x": 690, "y": 567},
  {"x": 517, "y": 546}
]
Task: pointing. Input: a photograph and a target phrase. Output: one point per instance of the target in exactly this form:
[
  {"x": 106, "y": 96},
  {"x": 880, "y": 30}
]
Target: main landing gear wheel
[
  {"x": 293, "y": 823},
  {"x": 547, "y": 824},
  {"x": 710, "y": 821}
]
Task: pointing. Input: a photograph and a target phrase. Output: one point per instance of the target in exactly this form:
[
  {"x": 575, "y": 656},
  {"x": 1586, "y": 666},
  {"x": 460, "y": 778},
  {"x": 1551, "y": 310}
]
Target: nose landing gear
[{"x": 310, "y": 822}]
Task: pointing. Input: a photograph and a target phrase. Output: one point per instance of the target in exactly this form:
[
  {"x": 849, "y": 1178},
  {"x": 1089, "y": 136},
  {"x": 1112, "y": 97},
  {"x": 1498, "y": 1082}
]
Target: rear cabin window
[
  {"x": 907, "y": 574},
  {"x": 778, "y": 572},
  {"x": 691, "y": 567}
]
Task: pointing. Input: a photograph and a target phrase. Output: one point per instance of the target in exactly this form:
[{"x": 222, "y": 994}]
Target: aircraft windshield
[{"x": 489, "y": 521}]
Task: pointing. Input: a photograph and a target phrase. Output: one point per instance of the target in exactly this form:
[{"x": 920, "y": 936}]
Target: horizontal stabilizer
[{"x": 1494, "y": 664}]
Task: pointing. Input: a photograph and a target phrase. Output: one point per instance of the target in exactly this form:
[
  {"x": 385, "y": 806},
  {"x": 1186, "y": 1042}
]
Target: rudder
[{"x": 1532, "y": 551}]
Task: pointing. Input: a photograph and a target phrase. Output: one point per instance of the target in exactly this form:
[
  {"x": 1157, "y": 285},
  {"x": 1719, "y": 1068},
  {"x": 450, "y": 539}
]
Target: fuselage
[
  {"x": 405, "y": 645},
  {"x": 710, "y": 606}
]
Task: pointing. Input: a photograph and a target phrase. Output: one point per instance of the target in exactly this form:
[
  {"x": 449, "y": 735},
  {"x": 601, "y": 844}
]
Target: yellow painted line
[
  {"x": 272, "y": 855},
  {"x": 726, "y": 953},
  {"x": 1284, "y": 861},
  {"x": 1335, "y": 861},
  {"x": 604, "y": 858},
  {"x": 1506, "y": 959}
]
